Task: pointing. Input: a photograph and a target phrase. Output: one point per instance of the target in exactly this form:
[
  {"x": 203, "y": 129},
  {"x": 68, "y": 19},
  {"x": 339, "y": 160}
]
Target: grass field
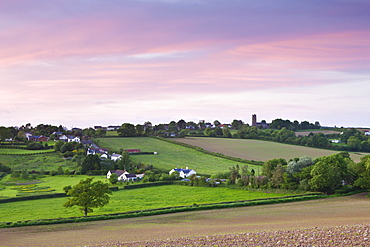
[
  {"x": 170, "y": 155},
  {"x": 129, "y": 200},
  {"x": 23, "y": 151},
  {"x": 47, "y": 161},
  {"x": 258, "y": 150}
]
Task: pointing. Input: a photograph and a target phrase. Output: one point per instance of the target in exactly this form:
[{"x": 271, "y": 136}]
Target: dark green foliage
[
  {"x": 35, "y": 146},
  {"x": 90, "y": 162},
  {"x": 5, "y": 169},
  {"x": 87, "y": 195}
]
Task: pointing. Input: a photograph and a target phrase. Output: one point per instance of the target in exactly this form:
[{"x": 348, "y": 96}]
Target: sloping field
[
  {"x": 330, "y": 212},
  {"x": 170, "y": 155},
  {"x": 258, "y": 150},
  {"x": 325, "y": 132}
]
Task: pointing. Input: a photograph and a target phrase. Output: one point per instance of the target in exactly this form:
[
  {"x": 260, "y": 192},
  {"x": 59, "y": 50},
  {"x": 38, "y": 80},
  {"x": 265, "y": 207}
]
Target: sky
[{"x": 81, "y": 63}]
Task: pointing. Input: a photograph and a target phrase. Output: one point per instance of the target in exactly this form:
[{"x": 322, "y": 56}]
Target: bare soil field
[
  {"x": 325, "y": 132},
  {"x": 258, "y": 150},
  {"x": 321, "y": 222}
]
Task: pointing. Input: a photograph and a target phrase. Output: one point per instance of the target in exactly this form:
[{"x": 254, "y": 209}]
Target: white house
[
  {"x": 367, "y": 133},
  {"x": 74, "y": 139},
  {"x": 123, "y": 176},
  {"x": 113, "y": 157},
  {"x": 184, "y": 173}
]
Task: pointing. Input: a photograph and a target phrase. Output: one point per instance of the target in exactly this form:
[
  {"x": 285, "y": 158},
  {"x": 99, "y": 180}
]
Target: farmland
[
  {"x": 258, "y": 150},
  {"x": 169, "y": 155},
  {"x": 47, "y": 161},
  {"x": 125, "y": 200},
  {"x": 309, "y": 217}
]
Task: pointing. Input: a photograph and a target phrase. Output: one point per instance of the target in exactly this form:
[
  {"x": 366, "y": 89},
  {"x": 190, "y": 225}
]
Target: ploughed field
[
  {"x": 337, "y": 221},
  {"x": 258, "y": 150}
]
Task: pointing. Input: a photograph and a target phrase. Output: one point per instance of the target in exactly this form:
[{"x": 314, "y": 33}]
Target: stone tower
[{"x": 254, "y": 120}]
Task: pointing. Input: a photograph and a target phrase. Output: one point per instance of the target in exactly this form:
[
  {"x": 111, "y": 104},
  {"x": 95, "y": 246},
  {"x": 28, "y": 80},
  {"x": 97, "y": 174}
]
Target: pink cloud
[{"x": 325, "y": 51}]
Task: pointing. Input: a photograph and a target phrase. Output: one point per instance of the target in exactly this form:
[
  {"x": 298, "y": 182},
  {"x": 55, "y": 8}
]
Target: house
[
  {"x": 113, "y": 157},
  {"x": 367, "y": 133},
  {"x": 123, "y": 176},
  {"x": 184, "y": 173},
  {"x": 335, "y": 141},
  {"x": 74, "y": 139},
  {"x": 113, "y": 128},
  {"x": 63, "y": 138},
  {"x": 96, "y": 151},
  {"x": 38, "y": 138}
]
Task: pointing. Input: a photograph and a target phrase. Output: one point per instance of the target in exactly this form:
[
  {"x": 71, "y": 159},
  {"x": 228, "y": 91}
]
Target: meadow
[
  {"x": 47, "y": 161},
  {"x": 258, "y": 150},
  {"x": 129, "y": 200},
  {"x": 23, "y": 151},
  {"x": 169, "y": 155}
]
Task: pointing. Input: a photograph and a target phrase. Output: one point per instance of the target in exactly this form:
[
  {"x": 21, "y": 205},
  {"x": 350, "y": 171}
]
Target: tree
[
  {"x": 226, "y": 133},
  {"x": 113, "y": 179},
  {"x": 139, "y": 130},
  {"x": 234, "y": 173},
  {"x": 5, "y": 169},
  {"x": 216, "y": 123},
  {"x": 181, "y": 124},
  {"x": 87, "y": 195},
  {"x": 329, "y": 172},
  {"x": 237, "y": 124},
  {"x": 268, "y": 168},
  {"x": 125, "y": 162},
  {"x": 4, "y": 133},
  {"x": 60, "y": 170},
  {"x": 90, "y": 162},
  {"x": 127, "y": 130}
]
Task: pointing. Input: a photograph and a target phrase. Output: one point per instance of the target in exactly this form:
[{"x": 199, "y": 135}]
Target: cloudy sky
[{"x": 82, "y": 63}]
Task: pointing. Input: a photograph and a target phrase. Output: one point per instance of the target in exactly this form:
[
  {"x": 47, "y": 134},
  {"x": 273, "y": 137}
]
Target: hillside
[
  {"x": 258, "y": 150},
  {"x": 169, "y": 155}
]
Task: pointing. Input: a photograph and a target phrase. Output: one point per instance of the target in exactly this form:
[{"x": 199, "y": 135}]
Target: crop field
[
  {"x": 129, "y": 200},
  {"x": 170, "y": 155},
  {"x": 258, "y": 150}
]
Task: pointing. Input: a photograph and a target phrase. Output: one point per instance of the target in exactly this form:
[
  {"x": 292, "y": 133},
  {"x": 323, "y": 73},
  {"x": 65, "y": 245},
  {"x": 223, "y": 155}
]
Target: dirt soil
[{"x": 326, "y": 218}]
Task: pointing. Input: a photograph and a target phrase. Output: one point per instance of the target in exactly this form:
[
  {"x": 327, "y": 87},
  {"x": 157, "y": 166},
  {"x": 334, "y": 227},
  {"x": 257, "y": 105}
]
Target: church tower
[{"x": 254, "y": 120}]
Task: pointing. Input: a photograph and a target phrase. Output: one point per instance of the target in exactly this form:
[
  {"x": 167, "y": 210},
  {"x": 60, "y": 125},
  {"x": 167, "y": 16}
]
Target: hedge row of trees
[{"x": 325, "y": 174}]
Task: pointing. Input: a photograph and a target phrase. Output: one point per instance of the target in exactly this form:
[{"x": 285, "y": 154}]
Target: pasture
[
  {"x": 23, "y": 151},
  {"x": 258, "y": 150},
  {"x": 170, "y": 155},
  {"x": 129, "y": 200},
  {"x": 47, "y": 161}
]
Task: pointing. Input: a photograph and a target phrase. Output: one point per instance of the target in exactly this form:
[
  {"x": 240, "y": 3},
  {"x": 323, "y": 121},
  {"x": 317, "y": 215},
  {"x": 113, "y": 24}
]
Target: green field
[
  {"x": 47, "y": 161},
  {"x": 129, "y": 200},
  {"x": 170, "y": 155},
  {"x": 23, "y": 151},
  {"x": 258, "y": 150}
]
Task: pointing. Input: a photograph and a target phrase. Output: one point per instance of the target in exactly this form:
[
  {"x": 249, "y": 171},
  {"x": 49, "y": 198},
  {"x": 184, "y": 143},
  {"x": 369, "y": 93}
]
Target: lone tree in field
[{"x": 87, "y": 195}]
